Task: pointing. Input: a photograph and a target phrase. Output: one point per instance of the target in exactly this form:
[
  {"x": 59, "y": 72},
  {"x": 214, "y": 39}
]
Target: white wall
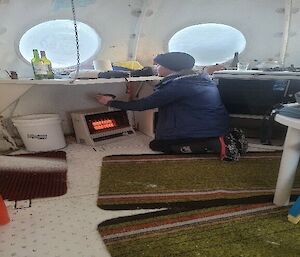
[
  {"x": 63, "y": 99},
  {"x": 261, "y": 21}
]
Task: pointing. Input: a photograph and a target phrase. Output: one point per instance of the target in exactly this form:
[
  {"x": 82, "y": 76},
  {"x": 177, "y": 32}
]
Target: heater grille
[
  {"x": 97, "y": 127},
  {"x": 108, "y": 121}
]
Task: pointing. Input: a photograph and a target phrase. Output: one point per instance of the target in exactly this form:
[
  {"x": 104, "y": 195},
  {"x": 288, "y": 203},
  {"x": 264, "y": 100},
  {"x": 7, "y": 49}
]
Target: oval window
[
  {"x": 209, "y": 43},
  {"x": 57, "y": 38}
]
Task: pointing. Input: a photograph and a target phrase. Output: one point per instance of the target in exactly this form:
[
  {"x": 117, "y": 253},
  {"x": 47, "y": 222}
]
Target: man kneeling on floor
[{"x": 191, "y": 115}]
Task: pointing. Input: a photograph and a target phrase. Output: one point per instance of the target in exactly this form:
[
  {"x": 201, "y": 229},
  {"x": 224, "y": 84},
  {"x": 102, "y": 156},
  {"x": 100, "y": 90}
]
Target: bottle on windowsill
[
  {"x": 38, "y": 67},
  {"x": 235, "y": 61},
  {"x": 47, "y": 63}
]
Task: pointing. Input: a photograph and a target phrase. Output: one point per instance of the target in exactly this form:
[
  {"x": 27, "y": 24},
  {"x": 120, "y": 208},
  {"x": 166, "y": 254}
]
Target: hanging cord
[{"x": 77, "y": 42}]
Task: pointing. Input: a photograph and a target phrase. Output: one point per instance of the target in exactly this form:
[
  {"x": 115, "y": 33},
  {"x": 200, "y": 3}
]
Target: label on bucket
[{"x": 38, "y": 136}]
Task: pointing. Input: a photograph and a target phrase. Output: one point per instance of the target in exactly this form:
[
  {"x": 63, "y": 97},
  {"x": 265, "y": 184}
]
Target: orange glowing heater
[
  {"x": 96, "y": 127},
  {"x": 104, "y": 124}
]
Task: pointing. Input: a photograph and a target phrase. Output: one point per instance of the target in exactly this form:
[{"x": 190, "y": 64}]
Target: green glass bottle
[
  {"x": 48, "y": 64},
  {"x": 39, "y": 70}
]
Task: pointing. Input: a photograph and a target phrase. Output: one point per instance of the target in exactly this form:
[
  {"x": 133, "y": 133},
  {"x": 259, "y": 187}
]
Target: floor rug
[
  {"x": 36, "y": 175},
  {"x": 260, "y": 230},
  {"x": 209, "y": 208},
  {"x": 188, "y": 181}
]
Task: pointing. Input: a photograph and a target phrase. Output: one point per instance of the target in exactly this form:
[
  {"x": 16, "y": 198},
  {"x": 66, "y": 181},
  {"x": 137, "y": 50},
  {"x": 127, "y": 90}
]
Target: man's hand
[{"x": 104, "y": 99}]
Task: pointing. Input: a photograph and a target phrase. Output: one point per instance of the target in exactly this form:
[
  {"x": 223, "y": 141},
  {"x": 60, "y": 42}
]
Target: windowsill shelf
[
  {"x": 256, "y": 74},
  {"x": 70, "y": 82},
  {"x": 13, "y": 89}
]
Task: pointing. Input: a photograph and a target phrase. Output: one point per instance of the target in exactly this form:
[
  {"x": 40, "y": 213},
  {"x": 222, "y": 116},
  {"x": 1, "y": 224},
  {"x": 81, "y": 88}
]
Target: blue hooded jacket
[{"x": 189, "y": 106}]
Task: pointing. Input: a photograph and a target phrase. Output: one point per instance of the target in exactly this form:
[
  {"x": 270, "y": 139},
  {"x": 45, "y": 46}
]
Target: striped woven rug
[
  {"x": 36, "y": 175},
  {"x": 210, "y": 208},
  {"x": 260, "y": 230},
  {"x": 187, "y": 181}
]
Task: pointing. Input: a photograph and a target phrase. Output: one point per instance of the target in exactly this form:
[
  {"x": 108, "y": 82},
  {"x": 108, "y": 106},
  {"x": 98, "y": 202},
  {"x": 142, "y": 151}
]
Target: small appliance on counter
[{"x": 96, "y": 127}]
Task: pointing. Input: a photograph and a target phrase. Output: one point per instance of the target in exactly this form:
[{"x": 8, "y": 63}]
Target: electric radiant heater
[{"x": 96, "y": 127}]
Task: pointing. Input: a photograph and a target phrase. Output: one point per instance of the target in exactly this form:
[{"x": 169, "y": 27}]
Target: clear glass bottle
[
  {"x": 38, "y": 67},
  {"x": 48, "y": 64},
  {"x": 235, "y": 60}
]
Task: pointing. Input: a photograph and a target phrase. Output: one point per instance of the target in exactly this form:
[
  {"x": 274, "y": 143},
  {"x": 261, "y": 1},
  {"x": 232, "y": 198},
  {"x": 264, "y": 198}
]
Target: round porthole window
[
  {"x": 57, "y": 39},
  {"x": 209, "y": 43}
]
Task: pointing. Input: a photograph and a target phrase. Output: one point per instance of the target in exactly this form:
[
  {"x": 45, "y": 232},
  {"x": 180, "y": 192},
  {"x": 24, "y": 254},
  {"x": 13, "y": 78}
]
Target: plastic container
[
  {"x": 40, "y": 132},
  {"x": 102, "y": 65}
]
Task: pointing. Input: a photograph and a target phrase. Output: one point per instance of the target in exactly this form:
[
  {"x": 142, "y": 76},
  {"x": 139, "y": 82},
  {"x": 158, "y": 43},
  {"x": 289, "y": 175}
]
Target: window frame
[{"x": 82, "y": 63}]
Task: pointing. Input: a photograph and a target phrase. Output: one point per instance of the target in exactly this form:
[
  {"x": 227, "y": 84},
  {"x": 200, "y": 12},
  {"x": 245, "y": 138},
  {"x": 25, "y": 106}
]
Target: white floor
[{"x": 66, "y": 226}]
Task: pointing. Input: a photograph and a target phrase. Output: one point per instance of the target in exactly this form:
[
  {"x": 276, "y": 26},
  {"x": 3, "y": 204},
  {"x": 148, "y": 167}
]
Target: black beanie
[{"x": 175, "y": 61}]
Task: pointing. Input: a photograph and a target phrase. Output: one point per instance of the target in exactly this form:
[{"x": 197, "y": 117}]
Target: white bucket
[{"x": 40, "y": 132}]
